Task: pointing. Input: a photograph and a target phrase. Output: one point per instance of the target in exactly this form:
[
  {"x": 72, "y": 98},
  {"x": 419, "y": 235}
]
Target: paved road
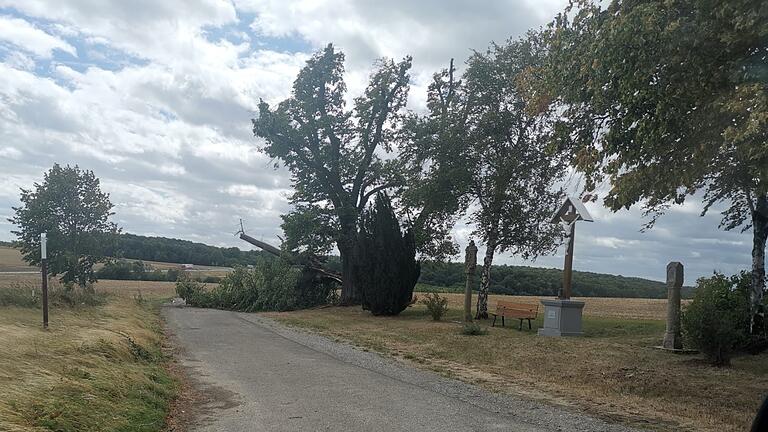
[{"x": 270, "y": 378}]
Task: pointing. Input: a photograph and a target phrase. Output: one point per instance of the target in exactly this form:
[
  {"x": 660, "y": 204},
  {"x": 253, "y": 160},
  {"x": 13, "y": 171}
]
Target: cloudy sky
[{"x": 156, "y": 98}]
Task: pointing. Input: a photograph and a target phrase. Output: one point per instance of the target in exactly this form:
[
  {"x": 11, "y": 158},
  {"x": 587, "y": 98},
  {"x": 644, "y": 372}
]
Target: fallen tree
[{"x": 311, "y": 264}]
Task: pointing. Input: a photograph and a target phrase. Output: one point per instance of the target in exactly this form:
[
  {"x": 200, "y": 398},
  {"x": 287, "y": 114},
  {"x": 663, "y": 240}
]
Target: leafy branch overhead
[{"x": 664, "y": 100}]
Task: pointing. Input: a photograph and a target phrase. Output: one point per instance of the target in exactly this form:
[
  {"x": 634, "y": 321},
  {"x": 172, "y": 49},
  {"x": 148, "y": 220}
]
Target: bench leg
[
  {"x": 521, "y": 324},
  {"x": 493, "y": 324},
  {"x": 529, "y": 323},
  {"x": 502, "y": 320}
]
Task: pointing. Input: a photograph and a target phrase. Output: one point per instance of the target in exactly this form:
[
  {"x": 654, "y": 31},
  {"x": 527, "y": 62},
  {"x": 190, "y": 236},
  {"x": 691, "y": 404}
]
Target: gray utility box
[{"x": 562, "y": 318}]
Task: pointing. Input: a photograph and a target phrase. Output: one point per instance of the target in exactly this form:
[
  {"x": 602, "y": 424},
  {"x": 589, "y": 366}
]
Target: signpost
[
  {"x": 44, "y": 266},
  {"x": 562, "y": 317}
]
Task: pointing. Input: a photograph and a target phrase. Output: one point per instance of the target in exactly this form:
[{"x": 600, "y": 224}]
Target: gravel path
[{"x": 267, "y": 377}]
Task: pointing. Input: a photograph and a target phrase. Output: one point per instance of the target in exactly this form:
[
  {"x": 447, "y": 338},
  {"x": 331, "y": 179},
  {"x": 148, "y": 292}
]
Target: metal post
[
  {"x": 44, "y": 266},
  {"x": 568, "y": 269}
]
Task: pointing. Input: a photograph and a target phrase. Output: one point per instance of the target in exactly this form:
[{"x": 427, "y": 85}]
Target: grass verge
[
  {"x": 612, "y": 372},
  {"x": 96, "y": 369}
]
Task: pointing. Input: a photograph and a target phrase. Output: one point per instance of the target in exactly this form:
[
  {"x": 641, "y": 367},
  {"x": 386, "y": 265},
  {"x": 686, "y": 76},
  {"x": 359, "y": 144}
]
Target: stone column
[
  {"x": 672, "y": 337},
  {"x": 470, "y": 264}
]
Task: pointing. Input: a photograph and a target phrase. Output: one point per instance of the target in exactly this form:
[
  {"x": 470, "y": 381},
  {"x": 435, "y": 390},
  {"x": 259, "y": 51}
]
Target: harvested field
[
  {"x": 630, "y": 308},
  {"x": 10, "y": 261}
]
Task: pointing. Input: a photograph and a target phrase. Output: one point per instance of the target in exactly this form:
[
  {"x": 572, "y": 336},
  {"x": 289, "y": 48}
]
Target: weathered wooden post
[
  {"x": 470, "y": 264},
  {"x": 562, "y": 316},
  {"x": 672, "y": 337},
  {"x": 44, "y": 268}
]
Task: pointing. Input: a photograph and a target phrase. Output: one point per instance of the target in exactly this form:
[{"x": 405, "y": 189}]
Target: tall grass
[
  {"x": 29, "y": 295},
  {"x": 96, "y": 369}
]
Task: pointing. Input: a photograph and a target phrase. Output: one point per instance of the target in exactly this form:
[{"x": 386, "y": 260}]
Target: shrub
[
  {"x": 272, "y": 284},
  {"x": 20, "y": 295},
  {"x": 212, "y": 279},
  {"x": 436, "y": 305},
  {"x": 172, "y": 275},
  {"x": 385, "y": 266},
  {"x": 473, "y": 329},
  {"x": 116, "y": 270},
  {"x": 67, "y": 295},
  {"x": 188, "y": 288},
  {"x": 717, "y": 320}
]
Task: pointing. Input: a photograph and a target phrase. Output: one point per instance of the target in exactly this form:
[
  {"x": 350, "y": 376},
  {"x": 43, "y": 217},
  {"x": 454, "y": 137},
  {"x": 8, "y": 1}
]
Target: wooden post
[
  {"x": 568, "y": 268},
  {"x": 44, "y": 268},
  {"x": 470, "y": 262}
]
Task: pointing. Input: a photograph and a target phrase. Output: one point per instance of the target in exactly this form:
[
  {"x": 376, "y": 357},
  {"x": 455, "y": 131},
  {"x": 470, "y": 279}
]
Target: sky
[{"x": 156, "y": 97}]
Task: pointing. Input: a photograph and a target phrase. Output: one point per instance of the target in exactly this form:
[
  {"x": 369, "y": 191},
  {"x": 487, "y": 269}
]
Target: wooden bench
[{"x": 521, "y": 311}]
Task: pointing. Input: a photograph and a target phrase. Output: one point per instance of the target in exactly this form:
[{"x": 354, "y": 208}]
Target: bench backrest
[{"x": 518, "y": 310}]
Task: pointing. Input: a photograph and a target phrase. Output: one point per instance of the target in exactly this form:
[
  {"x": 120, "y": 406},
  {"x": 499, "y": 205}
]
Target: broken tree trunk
[
  {"x": 260, "y": 244},
  {"x": 313, "y": 263}
]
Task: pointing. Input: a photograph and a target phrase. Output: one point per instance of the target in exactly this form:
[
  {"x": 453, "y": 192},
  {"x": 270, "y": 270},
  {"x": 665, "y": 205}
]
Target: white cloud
[
  {"x": 144, "y": 28},
  {"x": 159, "y": 106},
  {"x": 30, "y": 38}
]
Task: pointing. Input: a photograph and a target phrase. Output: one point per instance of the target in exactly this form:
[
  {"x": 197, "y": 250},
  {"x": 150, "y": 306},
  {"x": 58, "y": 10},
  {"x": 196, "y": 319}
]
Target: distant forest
[
  {"x": 525, "y": 280},
  {"x": 505, "y": 279},
  {"x": 179, "y": 251}
]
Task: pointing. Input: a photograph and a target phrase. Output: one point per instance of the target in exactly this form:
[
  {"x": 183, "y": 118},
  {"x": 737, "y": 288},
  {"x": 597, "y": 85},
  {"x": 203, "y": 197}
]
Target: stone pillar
[
  {"x": 470, "y": 264},
  {"x": 672, "y": 337}
]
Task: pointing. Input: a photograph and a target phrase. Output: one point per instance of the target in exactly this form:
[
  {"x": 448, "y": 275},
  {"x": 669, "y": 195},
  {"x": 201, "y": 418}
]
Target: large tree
[
  {"x": 71, "y": 208},
  {"x": 435, "y": 194},
  {"x": 514, "y": 169},
  {"x": 485, "y": 154},
  {"x": 665, "y": 99},
  {"x": 334, "y": 153}
]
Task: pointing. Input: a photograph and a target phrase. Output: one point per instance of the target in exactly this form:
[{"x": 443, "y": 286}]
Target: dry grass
[
  {"x": 95, "y": 369},
  {"x": 611, "y": 372},
  {"x": 630, "y": 308},
  {"x": 10, "y": 261}
]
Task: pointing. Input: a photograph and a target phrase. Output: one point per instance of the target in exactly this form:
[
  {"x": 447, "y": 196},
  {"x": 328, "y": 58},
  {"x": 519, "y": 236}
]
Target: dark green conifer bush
[{"x": 386, "y": 269}]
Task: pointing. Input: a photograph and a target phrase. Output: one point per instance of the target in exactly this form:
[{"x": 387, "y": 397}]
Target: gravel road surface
[{"x": 258, "y": 375}]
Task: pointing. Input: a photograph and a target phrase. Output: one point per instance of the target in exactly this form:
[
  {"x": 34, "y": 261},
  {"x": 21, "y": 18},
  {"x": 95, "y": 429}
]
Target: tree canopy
[
  {"x": 385, "y": 260},
  {"x": 71, "y": 208},
  {"x": 666, "y": 99},
  {"x": 331, "y": 151},
  {"x": 479, "y": 152}
]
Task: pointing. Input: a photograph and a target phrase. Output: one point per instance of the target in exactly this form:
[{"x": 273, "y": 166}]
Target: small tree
[
  {"x": 386, "y": 269},
  {"x": 70, "y": 206},
  {"x": 482, "y": 149}
]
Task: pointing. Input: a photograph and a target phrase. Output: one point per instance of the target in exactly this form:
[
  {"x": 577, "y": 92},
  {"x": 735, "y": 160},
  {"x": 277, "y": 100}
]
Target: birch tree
[
  {"x": 514, "y": 170},
  {"x": 483, "y": 156}
]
